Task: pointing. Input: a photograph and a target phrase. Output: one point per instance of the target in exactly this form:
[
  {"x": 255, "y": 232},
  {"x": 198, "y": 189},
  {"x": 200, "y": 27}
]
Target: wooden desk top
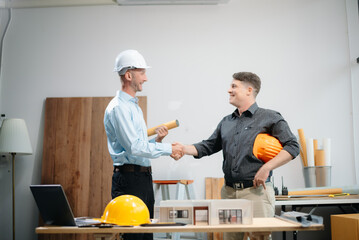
[
  {"x": 259, "y": 225},
  {"x": 167, "y": 182}
]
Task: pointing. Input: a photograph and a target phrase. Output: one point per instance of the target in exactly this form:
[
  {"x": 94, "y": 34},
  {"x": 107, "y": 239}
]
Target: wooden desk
[{"x": 260, "y": 229}]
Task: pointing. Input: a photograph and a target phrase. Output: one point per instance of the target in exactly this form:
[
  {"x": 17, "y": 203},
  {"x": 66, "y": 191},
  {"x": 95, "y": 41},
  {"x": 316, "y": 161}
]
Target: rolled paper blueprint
[
  {"x": 319, "y": 157},
  {"x": 169, "y": 125},
  {"x": 303, "y": 147},
  {"x": 302, "y": 157},
  {"x": 327, "y": 149},
  {"x": 351, "y": 189},
  {"x": 315, "y": 144},
  {"x": 310, "y": 152},
  {"x": 316, "y": 191}
]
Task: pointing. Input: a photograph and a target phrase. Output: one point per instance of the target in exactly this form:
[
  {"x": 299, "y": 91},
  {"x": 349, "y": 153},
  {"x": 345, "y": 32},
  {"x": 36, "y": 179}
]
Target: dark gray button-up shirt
[{"x": 235, "y": 135}]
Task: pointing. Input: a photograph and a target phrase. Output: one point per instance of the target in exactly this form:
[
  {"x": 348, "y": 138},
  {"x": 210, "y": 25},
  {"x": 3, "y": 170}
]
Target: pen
[{"x": 339, "y": 194}]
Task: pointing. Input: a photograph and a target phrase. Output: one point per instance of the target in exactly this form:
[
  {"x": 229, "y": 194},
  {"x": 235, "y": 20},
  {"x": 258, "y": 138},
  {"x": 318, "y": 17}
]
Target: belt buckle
[{"x": 238, "y": 186}]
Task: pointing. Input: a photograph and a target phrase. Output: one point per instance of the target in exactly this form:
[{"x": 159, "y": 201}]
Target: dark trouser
[{"x": 140, "y": 185}]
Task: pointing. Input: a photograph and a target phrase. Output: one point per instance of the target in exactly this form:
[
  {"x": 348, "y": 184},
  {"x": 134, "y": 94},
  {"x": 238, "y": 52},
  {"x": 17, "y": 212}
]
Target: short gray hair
[{"x": 250, "y": 78}]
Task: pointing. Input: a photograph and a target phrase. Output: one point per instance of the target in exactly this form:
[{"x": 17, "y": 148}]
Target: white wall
[
  {"x": 300, "y": 49},
  {"x": 353, "y": 33}
]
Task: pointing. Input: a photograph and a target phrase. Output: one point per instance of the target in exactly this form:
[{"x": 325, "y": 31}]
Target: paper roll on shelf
[
  {"x": 303, "y": 146},
  {"x": 302, "y": 156},
  {"x": 319, "y": 157},
  {"x": 317, "y": 191},
  {"x": 310, "y": 152},
  {"x": 315, "y": 145},
  {"x": 353, "y": 189},
  {"x": 169, "y": 125}
]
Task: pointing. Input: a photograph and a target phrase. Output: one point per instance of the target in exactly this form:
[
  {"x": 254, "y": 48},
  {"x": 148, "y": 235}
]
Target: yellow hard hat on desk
[
  {"x": 266, "y": 147},
  {"x": 126, "y": 210}
]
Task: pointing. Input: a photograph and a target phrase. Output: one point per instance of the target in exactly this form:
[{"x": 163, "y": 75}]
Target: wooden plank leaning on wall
[
  {"x": 75, "y": 154},
  {"x": 213, "y": 191}
]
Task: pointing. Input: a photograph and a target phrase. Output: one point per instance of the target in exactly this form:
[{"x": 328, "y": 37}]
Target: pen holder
[
  {"x": 323, "y": 176},
  {"x": 309, "y": 176},
  {"x": 319, "y": 176}
]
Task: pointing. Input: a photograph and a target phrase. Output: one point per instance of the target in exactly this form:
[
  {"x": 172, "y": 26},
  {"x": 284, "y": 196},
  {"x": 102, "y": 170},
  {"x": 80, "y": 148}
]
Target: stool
[{"x": 183, "y": 186}]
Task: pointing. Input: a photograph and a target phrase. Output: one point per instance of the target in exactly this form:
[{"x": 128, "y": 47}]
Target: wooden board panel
[
  {"x": 213, "y": 187},
  {"x": 208, "y": 186},
  {"x": 100, "y": 191},
  {"x": 75, "y": 154},
  {"x": 213, "y": 191},
  {"x": 48, "y": 156}
]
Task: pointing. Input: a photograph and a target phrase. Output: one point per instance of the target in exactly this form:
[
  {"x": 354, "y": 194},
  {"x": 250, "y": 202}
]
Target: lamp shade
[{"x": 14, "y": 137}]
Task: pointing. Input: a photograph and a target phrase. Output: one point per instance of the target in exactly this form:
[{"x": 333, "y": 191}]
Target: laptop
[{"x": 54, "y": 207}]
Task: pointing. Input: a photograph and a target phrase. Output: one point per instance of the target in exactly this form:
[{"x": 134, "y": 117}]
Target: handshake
[{"x": 178, "y": 150}]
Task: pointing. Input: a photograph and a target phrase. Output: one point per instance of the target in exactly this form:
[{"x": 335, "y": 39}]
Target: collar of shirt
[
  {"x": 126, "y": 96},
  {"x": 251, "y": 110}
]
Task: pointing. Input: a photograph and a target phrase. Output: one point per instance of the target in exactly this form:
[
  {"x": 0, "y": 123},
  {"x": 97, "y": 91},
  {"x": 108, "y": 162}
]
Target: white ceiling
[
  {"x": 62, "y": 3},
  {"x": 51, "y": 3}
]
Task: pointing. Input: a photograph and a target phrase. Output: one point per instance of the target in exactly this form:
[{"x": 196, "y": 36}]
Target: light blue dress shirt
[{"x": 127, "y": 133}]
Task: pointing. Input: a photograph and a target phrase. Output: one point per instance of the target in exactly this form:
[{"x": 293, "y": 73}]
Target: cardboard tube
[
  {"x": 317, "y": 191},
  {"x": 319, "y": 157},
  {"x": 315, "y": 145},
  {"x": 169, "y": 125},
  {"x": 301, "y": 156},
  {"x": 351, "y": 189},
  {"x": 303, "y": 146}
]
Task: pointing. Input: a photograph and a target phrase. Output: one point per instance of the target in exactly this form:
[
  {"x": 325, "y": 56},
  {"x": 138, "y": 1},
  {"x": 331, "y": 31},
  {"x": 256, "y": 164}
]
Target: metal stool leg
[
  {"x": 183, "y": 189},
  {"x": 156, "y": 188},
  {"x": 189, "y": 191},
  {"x": 165, "y": 192},
  {"x": 180, "y": 191}
]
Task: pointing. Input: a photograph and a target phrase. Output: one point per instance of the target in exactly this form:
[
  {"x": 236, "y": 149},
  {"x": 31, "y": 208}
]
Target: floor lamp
[{"x": 14, "y": 139}]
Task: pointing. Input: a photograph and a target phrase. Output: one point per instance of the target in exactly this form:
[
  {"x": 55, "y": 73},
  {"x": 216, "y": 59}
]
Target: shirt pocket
[{"x": 251, "y": 131}]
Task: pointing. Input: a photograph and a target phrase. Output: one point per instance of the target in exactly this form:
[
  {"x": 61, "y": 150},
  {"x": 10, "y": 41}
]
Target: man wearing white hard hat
[{"x": 127, "y": 139}]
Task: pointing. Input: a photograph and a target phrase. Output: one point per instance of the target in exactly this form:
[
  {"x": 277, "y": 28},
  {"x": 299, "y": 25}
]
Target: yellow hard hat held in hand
[
  {"x": 126, "y": 210},
  {"x": 266, "y": 147}
]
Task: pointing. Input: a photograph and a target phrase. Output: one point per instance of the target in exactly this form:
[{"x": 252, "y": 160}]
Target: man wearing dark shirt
[{"x": 247, "y": 177}]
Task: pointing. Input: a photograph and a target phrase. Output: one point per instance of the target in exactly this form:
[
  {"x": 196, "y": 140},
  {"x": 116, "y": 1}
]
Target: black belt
[
  {"x": 242, "y": 184},
  {"x": 132, "y": 168}
]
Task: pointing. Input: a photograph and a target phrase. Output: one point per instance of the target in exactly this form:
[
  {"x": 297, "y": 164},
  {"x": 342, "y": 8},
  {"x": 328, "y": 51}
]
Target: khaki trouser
[{"x": 263, "y": 203}]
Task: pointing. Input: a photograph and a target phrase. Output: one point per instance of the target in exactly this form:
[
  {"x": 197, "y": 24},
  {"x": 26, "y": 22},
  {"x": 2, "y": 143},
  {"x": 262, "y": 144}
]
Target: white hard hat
[{"x": 129, "y": 59}]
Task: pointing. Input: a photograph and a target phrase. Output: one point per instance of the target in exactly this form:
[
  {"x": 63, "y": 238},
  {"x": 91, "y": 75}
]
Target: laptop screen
[{"x": 53, "y": 205}]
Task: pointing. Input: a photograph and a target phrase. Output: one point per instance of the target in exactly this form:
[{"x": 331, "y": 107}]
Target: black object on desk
[{"x": 164, "y": 224}]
